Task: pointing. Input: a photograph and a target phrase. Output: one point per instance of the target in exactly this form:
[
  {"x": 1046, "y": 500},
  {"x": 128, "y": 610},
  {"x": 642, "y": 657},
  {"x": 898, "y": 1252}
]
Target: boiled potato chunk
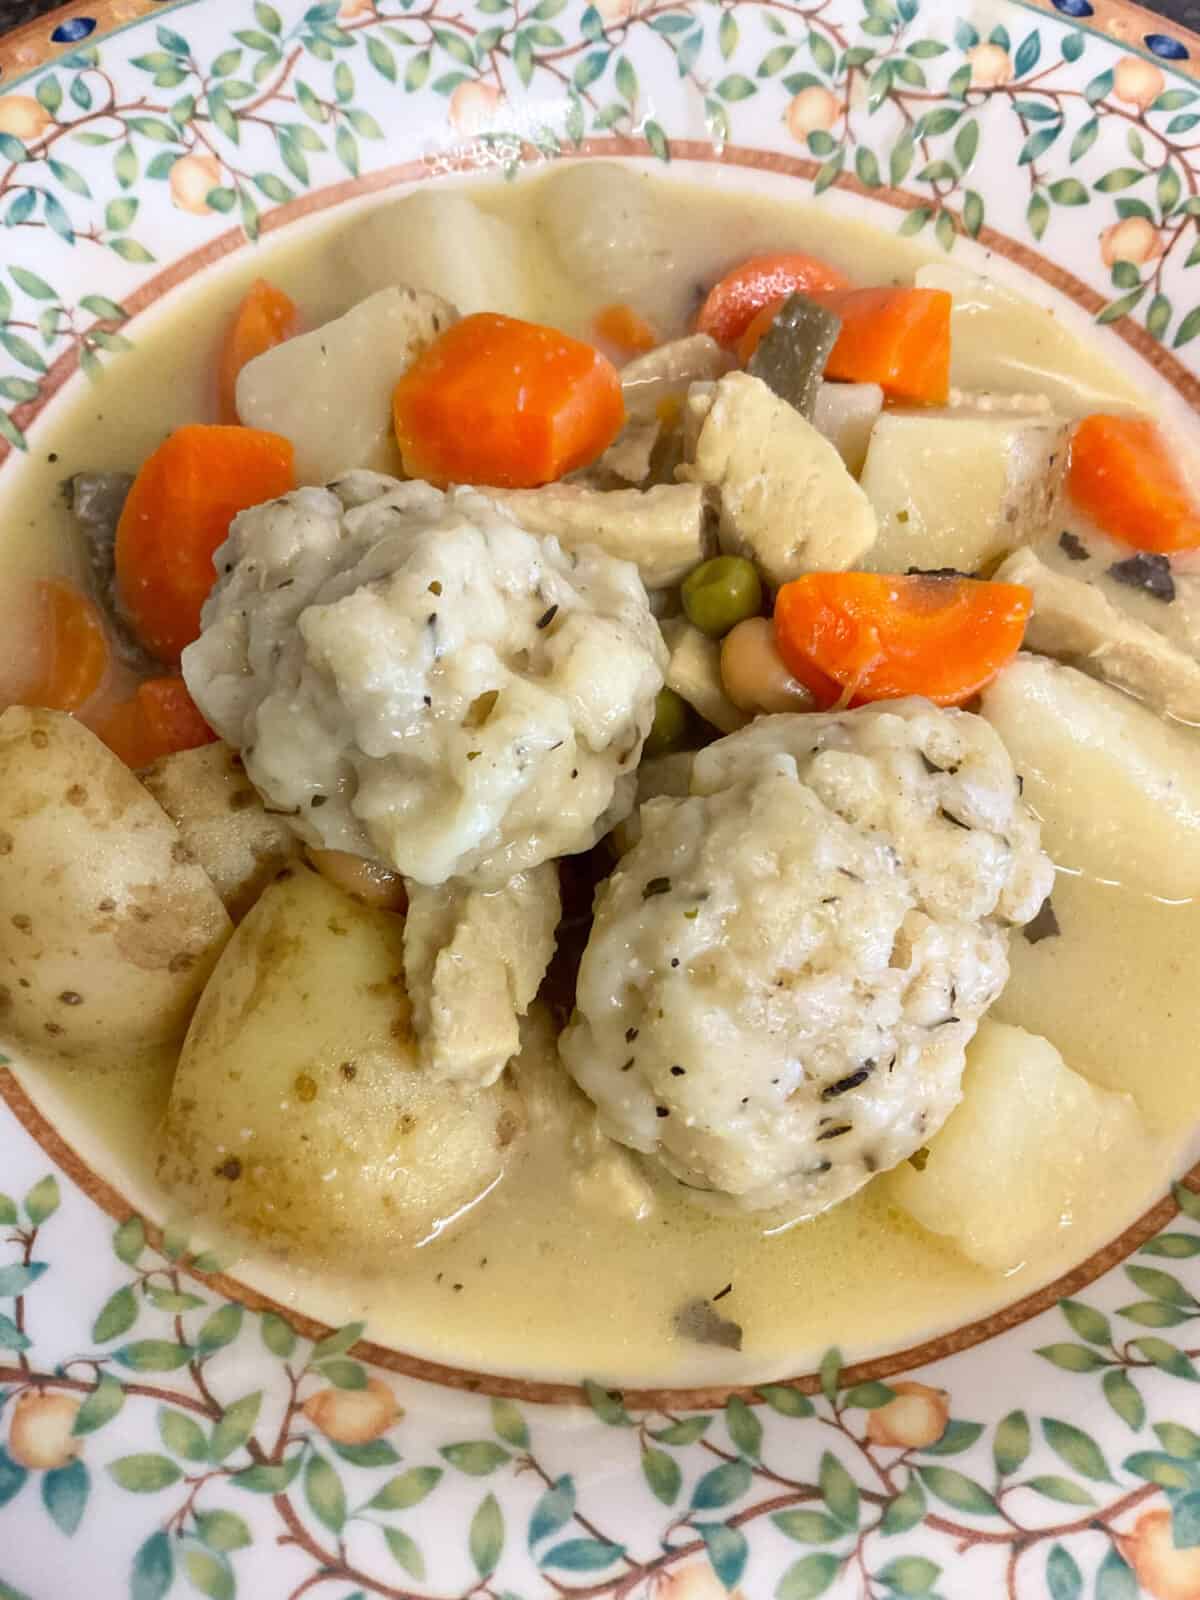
[
  {"x": 1117, "y": 789},
  {"x": 110, "y": 928},
  {"x": 960, "y": 491},
  {"x": 223, "y": 822},
  {"x": 1003, "y": 343},
  {"x": 330, "y": 391},
  {"x": 299, "y": 1115},
  {"x": 1024, "y": 1154},
  {"x": 441, "y": 241},
  {"x": 610, "y": 232}
]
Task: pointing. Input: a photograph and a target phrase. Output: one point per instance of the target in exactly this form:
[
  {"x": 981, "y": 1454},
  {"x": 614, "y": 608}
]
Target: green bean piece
[
  {"x": 720, "y": 593},
  {"x": 791, "y": 355},
  {"x": 668, "y": 731}
]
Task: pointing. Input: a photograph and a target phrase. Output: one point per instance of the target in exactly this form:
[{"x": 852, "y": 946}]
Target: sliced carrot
[
  {"x": 897, "y": 338},
  {"x": 265, "y": 318},
  {"x": 72, "y": 655},
  {"x": 852, "y": 637},
  {"x": 178, "y": 512},
  {"x": 762, "y": 281},
  {"x": 159, "y": 719},
  {"x": 499, "y": 401},
  {"x": 1124, "y": 474},
  {"x": 626, "y": 329}
]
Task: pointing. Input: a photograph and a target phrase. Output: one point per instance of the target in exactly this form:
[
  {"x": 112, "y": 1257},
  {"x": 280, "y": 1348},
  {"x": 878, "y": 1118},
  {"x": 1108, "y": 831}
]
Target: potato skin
[
  {"x": 299, "y": 1115},
  {"x": 109, "y": 927}
]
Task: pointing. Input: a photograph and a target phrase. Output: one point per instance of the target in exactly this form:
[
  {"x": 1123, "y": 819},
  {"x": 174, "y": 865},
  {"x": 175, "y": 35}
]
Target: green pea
[
  {"x": 669, "y": 728},
  {"x": 720, "y": 593}
]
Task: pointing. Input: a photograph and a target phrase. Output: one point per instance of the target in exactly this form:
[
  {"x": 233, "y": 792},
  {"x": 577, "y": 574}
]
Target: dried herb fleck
[
  {"x": 696, "y": 1320},
  {"x": 919, "y": 1158},
  {"x": 1149, "y": 572},
  {"x": 1073, "y": 548},
  {"x": 843, "y": 1085},
  {"x": 656, "y": 886},
  {"x": 1044, "y": 925}
]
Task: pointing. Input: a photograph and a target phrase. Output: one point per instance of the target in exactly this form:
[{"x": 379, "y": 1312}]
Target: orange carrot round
[
  {"x": 158, "y": 719},
  {"x": 1125, "y": 476},
  {"x": 122, "y": 727},
  {"x": 264, "y": 318},
  {"x": 625, "y": 329},
  {"x": 498, "y": 401},
  {"x": 852, "y": 637},
  {"x": 897, "y": 338},
  {"x": 761, "y": 281},
  {"x": 72, "y": 655},
  {"x": 178, "y": 512}
]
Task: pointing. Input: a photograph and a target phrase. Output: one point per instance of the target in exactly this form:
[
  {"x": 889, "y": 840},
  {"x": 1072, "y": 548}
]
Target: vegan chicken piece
[{"x": 785, "y": 970}]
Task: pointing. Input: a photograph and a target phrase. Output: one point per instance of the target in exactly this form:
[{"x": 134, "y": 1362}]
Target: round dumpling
[
  {"x": 412, "y": 676},
  {"x": 785, "y": 970}
]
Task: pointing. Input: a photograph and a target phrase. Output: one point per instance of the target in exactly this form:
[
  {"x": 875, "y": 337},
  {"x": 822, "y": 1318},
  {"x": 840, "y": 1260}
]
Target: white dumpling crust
[
  {"x": 784, "y": 972},
  {"x": 411, "y": 676}
]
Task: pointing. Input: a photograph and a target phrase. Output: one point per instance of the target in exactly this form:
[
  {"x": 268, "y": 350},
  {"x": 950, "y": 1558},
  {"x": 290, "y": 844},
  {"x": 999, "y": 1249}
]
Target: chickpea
[
  {"x": 368, "y": 881},
  {"x": 753, "y": 672}
]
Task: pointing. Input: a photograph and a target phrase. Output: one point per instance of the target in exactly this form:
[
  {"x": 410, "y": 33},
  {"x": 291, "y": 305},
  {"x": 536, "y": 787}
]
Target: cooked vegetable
[
  {"x": 720, "y": 593},
  {"x": 784, "y": 497},
  {"x": 335, "y": 1146},
  {"x": 955, "y": 490},
  {"x": 669, "y": 728},
  {"x": 438, "y": 241},
  {"x": 853, "y": 637},
  {"x": 1028, "y": 1129},
  {"x": 789, "y": 353},
  {"x": 498, "y": 401},
  {"x": 369, "y": 882},
  {"x": 610, "y": 232},
  {"x": 734, "y": 302},
  {"x": 664, "y": 373},
  {"x": 222, "y": 821},
  {"x": 1117, "y": 788},
  {"x": 897, "y": 338},
  {"x": 159, "y": 719},
  {"x": 111, "y": 928},
  {"x": 265, "y": 317},
  {"x": 330, "y": 391},
  {"x": 694, "y": 673},
  {"x": 624, "y": 328},
  {"x": 1125, "y": 475},
  {"x": 176, "y": 515},
  {"x": 754, "y": 674},
  {"x": 846, "y": 413},
  {"x": 72, "y": 656},
  {"x": 1086, "y": 626}
]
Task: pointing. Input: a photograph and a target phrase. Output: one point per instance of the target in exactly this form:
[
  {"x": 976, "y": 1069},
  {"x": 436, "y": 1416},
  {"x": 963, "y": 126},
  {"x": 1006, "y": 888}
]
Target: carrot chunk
[
  {"x": 765, "y": 280},
  {"x": 1124, "y": 475},
  {"x": 265, "y": 318},
  {"x": 852, "y": 637},
  {"x": 897, "y": 338},
  {"x": 72, "y": 655},
  {"x": 625, "y": 329},
  {"x": 159, "y": 719},
  {"x": 178, "y": 512},
  {"x": 498, "y": 401}
]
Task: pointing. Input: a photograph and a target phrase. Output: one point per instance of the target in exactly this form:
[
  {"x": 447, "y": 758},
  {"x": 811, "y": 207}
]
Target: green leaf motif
[
  {"x": 607, "y": 1405},
  {"x": 1156, "y": 1313},
  {"x": 909, "y": 1575},
  {"x": 42, "y": 1201},
  {"x": 17, "y": 1279},
  {"x": 1011, "y": 1443},
  {"x": 153, "y": 1355},
  {"x": 1115, "y": 1579},
  {"x": 408, "y": 1489},
  {"x": 661, "y": 1471},
  {"x": 172, "y": 1300},
  {"x": 1078, "y": 1449},
  {"x": 1188, "y": 329},
  {"x": 485, "y": 1540},
  {"x": 1167, "y": 1358},
  {"x": 1118, "y": 178},
  {"x": 808, "y": 1527},
  {"x": 1178, "y": 1441},
  {"x": 182, "y": 1435},
  {"x": 808, "y": 1577},
  {"x": 222, "y": 1530},
  {"x": 1073, "y": 1357},
  {"x": 956, "y": 1437},
  {"x": 830, "y": 1372},
  {"x": 235, "y": 1427},
  {"x": 35, "y": 286},
  {"x": 1188, "y": 1200},
  {"x": 129, "y": 1239},
  {"x": 745, "y": 1430},
  {"x": 1055, "y": 1487},
  {"x": 65, "y": 1493},
  {"x": 1123, "y": 1396},
  {"x": 957, "y": 1490},
  {"x": 12, "y": 1477},
  {"x": 145, "y": 1473},
  {"x": 8, "y": 1209},
  {"x": 324, "y": 1493},
  {"x": 1177, "y": 1246},
  {"x": 277, "y": 1335},
  {"x": 728, "y": 1551},
  {"x": 1160, "y": 1285},
  {"x": 344, "y": 1374},
  {"x": 839, "y": 1490},
  {"x": 1064, "y": 1581},
  {"x": 582, "y": 1555},
  {"x": 117, "y": 1316},
  {"x": 692, "y": 1428},
  {"x": 268, "y": 1479},
  {"x": 906, "y": 1510},
  {"x": 722, "y": 1486},
  {"x": 153, "y": 1569},
  {"x": 209, "y": 1572},
  {"x": 375, "y": 1453},
  {"x": 868, "y": 1396},
  {"x": 1185, "y": 1521},
  {"x": 553, "y": 1511},
  {"x": 405, "y": 1552},
  {"x": 338, "y": 1342},
  {"x": 1088, "y": 1323},
  {"x": 101, "y": 1406},
  {"x": 1155, "y": 1466},
  {"x": 736, "y": 87},
  {"x": 476, "y": 1458}
]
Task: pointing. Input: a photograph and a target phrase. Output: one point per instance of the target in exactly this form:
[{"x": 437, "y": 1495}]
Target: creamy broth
[{"x": 534, "y": 1281}]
